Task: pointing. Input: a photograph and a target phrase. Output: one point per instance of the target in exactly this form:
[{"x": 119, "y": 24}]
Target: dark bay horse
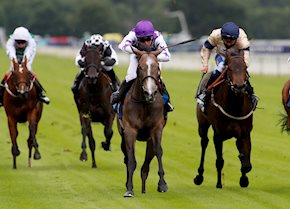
[
  {"x": 93, "y": 102},
  {"x": 285, "y": 121},
  {"x": 21, "y": 105},
  {"x": 230, "y": 113},
  {"x": 143, "y": 120}
]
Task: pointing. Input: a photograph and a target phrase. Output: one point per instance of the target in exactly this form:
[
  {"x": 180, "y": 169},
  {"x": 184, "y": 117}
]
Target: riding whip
[
  {"x": 198, "y": 87},
  {"x": 183, "y": 42}
]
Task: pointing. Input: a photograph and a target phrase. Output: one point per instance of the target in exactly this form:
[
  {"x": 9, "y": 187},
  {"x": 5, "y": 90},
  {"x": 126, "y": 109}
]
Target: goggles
[
  {"x": 20, "y": 41},
  {"x": 145, "y": 38}
]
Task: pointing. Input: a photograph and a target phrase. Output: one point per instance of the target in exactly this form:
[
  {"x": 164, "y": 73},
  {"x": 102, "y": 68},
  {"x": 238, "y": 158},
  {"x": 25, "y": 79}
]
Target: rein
[
  {"x": 227, "y": 114},
  {"x": 12, "y": 94}
]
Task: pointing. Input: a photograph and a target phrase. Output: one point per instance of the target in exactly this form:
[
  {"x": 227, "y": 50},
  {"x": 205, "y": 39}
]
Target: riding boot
[
  {"x": 40, "y": 92},
  {"x": 201, "y": 97},
  {"x": 2, "y": 88},
  {"x": 119, "y": 95},
  {"x": 168, "y": 106},
  {"x": 113, "y": 78},
  {"x": 254, "y": 98},
  {"x": 77, "y": 82}
]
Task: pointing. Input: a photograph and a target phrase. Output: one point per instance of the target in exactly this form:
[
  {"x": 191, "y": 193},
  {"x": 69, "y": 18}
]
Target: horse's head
[
  {"x": 236, "y": 71},
  {"x": 93, "y": 63},
  {"x": 148, "y": 72},
  {"x": 21, "y": 77}
]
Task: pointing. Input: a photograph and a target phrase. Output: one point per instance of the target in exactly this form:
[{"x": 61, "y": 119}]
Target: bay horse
[
  {"x": 285, "y": 121},
  {"x": 143, "y": 120},
  {"x": 230, "y": 113},
  {"x": 93, "y": 102},
  {"x": 21, "y": 105}
]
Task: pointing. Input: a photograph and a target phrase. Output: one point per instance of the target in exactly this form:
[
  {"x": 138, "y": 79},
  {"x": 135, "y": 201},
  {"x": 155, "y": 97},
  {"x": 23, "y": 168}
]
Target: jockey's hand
[
  {"x": 144, "y": 47},
  {"x": 109, "y": 61},
  {"x": 81, "y": 63},
  {"x": 204, "y": 69}
]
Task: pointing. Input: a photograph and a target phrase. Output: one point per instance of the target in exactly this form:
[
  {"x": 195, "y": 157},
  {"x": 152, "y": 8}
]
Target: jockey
[
  {"x": 228, "y": 36},
  {"x": 109, "y": 60},
  {"x": 20, "y": 44},
  {"x": 144, "y": 37}
]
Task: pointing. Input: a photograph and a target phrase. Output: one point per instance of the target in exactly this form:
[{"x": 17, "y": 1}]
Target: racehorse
[
  {"x": 93, "y": 102},
  {"x": 21, "y": 104},
  {"x": 143, "y": 120},
  {"x": 230, "y": 113},
  {"x": 285, "y": 121}
]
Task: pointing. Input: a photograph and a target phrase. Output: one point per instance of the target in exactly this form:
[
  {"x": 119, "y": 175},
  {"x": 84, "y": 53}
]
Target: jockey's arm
[
  {"x": 127, "y": 42},
  {"x": 30, "y": 50},
  {"x": 165, "y": 55},
  {"x": 110, "y": 56},
  {"x": 10, "y": 49}
]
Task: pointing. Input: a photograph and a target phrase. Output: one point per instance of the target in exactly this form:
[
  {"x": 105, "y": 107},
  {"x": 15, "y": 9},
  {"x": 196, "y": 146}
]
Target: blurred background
[{"x": 64, "y": 24}]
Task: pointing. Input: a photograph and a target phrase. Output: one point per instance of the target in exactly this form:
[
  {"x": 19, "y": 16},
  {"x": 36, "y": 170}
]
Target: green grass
[{"x": 61, "y": 181}]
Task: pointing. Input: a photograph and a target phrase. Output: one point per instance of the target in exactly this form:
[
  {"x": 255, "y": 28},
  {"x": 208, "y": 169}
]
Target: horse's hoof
[
  {"x": 219, "y": 186},
  {"x": 244, "y": 181},
  {"x": 94, "y": 165},
  {"x": 36, "y": 156},
  {"x": 83, "y": 156},
  {"x": 106, "y": 146},
  {"x": 198, "y": 180},
  {"x": 129, "y": 194},
  {"x": 162, "y": 188}
]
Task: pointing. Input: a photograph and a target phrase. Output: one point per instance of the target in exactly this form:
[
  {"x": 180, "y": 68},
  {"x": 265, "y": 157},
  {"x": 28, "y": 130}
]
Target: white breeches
[{"x": 132, "y": 69}]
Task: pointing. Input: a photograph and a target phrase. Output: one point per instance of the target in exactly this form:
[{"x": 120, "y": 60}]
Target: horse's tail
[{"x": 284, "y": 123}]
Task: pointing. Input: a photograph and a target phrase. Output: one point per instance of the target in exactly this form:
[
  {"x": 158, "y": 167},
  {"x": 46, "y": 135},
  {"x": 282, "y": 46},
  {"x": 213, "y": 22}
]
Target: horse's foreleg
[
  {"x": 145, "y": 167},
  {"x": 204, "y": 142},
  {"x": 218, "y": 143},
  {"x": 162, "y": 186},
  {"x": 244, "y": 147},
  {"x": 12, "y": 124},
  {"x": 130, "y": 138},
  {"x": 83, "y": 155},
  {"x": 32, "y": 142},
  {"x": 108, "y": 132},
  {"x": 92, "y": 145}
]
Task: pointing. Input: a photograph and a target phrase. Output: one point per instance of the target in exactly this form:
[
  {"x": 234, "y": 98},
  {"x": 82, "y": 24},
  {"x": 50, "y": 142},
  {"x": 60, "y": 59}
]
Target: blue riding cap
[{"x": 230, "y": 30}]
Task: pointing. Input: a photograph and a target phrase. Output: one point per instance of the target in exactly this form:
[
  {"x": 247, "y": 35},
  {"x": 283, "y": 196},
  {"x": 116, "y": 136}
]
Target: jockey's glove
[
  {"x": 81, "y": 63},
  {"x": 109, "y": 61}
]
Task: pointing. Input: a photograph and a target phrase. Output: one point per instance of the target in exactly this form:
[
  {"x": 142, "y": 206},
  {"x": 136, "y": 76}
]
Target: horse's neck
[{"x": 228, "y": 99}]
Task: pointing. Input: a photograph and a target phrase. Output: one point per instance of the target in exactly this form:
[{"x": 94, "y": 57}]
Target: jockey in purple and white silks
[
  {"x": 228, "y": 36},
  {"x": 21, "y": 43},
  {"x": 144, "y": 37}
]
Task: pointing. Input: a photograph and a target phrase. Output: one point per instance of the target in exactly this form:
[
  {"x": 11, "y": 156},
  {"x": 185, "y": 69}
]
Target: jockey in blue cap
[{"x": 228, "y": 36}]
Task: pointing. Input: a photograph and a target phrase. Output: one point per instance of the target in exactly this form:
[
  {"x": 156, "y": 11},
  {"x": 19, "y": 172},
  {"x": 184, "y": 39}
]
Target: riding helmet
[
  {"x": 144, "y": 28},
  {"x": 230, "y": 30},
  {"x": 21, "y": 33}
]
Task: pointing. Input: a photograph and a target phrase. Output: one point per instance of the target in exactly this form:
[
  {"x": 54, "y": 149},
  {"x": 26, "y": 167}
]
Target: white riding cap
[
  {"x": 21, "y": 33},
  {"x": 96, "y": 40}
]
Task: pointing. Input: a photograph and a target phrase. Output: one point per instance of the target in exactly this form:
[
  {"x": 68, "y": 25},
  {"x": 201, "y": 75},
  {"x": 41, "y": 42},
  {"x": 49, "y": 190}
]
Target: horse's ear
[
  {"x": 137, "y": 51},
  {"x": 157, "y": 52},
  {"x": 24, "y": 61},
  {"x": 14, "y": 61}
]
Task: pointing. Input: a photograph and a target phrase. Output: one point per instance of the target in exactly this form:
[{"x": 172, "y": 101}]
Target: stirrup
[
  {"x": 169, "y": 107},
  {"x": 115, "y": 97},
  {"x": 44, "y": 99},
  {"x": 200, "y": 99},
  {"x": 255, "y": 99}
]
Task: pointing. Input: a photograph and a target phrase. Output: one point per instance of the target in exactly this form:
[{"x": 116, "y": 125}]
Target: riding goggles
[
  {"x": 145, "y": 38},
  {"x": 20, "y": 41}
]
